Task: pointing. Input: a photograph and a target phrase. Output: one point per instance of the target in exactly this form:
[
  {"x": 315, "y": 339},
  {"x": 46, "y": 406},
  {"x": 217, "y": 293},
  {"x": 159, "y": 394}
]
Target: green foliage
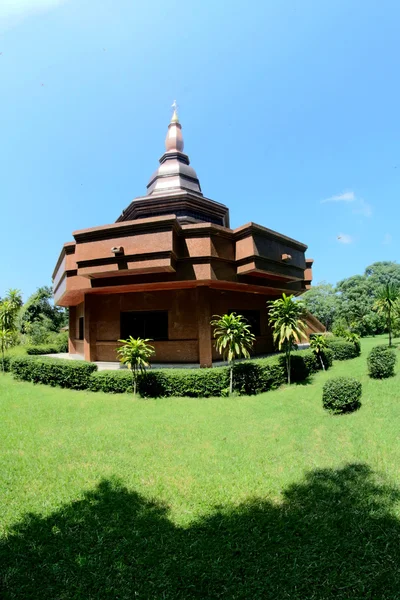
[
  {"x": 350, "y": 304},
  {"x": 233, "y": 339},
  {"x": 319, "y": 345},
  {"x": 60, "y": 340},
  {"x": 286, "y": 316},
  {"x": 387, "y": 304},
  {"x": 381, "y": 362},
  {"x": 135, "y": 353},
  {"x": 343, "y": 350},
  {"x": 6, "y": 339},
  {"x": 341, "y": 395},
  {"x": 44, "y": 349},
  {"x": 74, "y": 374},
  {"x": 322, "y": 302},
  {"x": 111, "y": 382},
  {"x": 39, "y": 317},
  {"x": 250, "y": 377}
]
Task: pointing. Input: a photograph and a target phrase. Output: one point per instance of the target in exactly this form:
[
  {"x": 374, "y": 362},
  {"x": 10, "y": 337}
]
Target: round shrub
[
  {"x": 381, "y": 362},
  {"x": 341, "y": 395}
]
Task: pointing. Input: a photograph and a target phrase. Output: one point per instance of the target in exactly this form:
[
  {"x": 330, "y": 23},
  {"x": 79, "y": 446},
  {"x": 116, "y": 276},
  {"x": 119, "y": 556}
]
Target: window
[
  {"x": 151, "y": 325},
  {"x": 252, "y": 317},
  {"x": 81, "y": 328}
]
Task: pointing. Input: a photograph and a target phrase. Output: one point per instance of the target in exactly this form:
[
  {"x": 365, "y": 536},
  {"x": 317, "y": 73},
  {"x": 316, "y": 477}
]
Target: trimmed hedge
[
  {"x": 304, "y": 363},
  {"x": 343, "y": 350},
  {"x": 43, "y": 349},
  {"x": 111, "y": 382},
  {"x": 341, "y": 395},
  {"x": 74, "y": 374},
  {"x": 249, "y": 378},
  {"x": 381, "y": 361}
]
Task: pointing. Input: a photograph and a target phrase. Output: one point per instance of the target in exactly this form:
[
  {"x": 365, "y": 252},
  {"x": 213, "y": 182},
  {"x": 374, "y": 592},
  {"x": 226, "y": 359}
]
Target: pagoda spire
[{"x": 174, "y": 139}]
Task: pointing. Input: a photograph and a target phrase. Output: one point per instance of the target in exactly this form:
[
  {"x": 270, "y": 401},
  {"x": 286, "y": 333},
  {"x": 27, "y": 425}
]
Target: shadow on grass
[{"x": 333, "y": 536}]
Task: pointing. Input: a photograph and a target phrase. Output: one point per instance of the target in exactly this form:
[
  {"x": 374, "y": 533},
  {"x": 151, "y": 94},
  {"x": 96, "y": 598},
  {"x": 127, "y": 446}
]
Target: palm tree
[
  {"x": 8, "y": 315},
  {"x": 387, "y": 304},
  {"x": 6, "y": 338},
  {"x": 286, "y": 318},
  {"x": 135, "y": 353},
  {"x": 15, "y": 298},
  {"x": 233, "y": 339},
  {"x": 318, "y": 345}
]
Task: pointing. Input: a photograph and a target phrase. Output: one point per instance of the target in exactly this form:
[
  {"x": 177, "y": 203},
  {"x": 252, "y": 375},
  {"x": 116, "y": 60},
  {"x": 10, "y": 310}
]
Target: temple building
[{"x": 167, "y": 265}]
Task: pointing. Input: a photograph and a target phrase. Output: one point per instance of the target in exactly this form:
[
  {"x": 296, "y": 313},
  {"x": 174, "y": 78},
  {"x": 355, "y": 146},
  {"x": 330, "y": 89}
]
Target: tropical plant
[
  {"x": 8, "y": 315},
  {"x": 135, "y": 353},
  {"x": 286, "y": 316},
  {"x": 318, "y": 345},
  {"x": 233, "y": 339},
  {"x": 387, "y": 304},
  {"x": 6, "y": 339}
]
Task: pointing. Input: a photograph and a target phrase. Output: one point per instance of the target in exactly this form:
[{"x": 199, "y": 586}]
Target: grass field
[{"x": 241, "y": 498}]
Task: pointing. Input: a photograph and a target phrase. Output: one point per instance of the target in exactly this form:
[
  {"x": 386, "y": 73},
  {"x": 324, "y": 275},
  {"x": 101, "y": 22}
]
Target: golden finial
[{"x": 175, "y": 118}]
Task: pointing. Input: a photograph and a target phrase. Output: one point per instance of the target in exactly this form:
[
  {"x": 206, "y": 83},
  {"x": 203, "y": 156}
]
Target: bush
[
  {"x": 112, "y": 382},
  {"x": 260, "y": 375},
  {"x": 252, "y": 377},
  {"x": 381, "y": 362},
  {"x": 74, "y": 374},
  {"x": 304, "y": 363},
  {"x": 60, "y": 341},
  {"x": 343, "y": 350},
  {"x": 192, "y": 383},
  {"x": 43, "y": 349},
  {"x": 341, "y": 395},
  {"x": 7, "y": 362}
]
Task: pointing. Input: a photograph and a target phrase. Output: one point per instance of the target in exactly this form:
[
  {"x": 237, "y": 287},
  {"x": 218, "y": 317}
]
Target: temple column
[
  {"x": 90, "y": 336},
  {"x": 72, "y": 330},
  {"x": 204, "y": 327}
]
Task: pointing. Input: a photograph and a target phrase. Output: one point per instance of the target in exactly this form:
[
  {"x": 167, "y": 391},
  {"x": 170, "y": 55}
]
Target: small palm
[
  {"x": 387, "y": 303},
  {"x": 136, "y": 354},
  {"x": 286, "y": 315},
  {"x": 233, "y": 338}
]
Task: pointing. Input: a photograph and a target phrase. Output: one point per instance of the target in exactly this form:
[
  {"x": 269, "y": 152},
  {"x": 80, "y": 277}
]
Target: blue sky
[{"x": 290, "y": 113}]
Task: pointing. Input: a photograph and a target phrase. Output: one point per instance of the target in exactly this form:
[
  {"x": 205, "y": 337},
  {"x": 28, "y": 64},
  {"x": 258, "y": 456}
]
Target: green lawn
[{"x": 253, "y": 497}]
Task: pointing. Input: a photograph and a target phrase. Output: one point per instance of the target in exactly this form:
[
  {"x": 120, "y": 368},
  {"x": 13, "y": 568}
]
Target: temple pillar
[
  {"x": 90, "y": 335},
  {"x": 72, "y": 330},
  {"x": 204, "y": 327}
]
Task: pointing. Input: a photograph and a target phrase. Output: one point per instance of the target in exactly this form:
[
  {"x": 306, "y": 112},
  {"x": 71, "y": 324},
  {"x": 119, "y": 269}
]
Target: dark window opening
[
  {"x": 253, "y": 319},
  {"x": 151, "y": 325},
  {"x": 81, "y": 328}
]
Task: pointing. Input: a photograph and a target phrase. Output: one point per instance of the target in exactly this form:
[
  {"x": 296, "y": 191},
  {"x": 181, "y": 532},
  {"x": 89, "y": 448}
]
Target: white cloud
[
  {"x": 344, "y": 238},
  {"x": 360, "y": 207},
  {"x": 387, "y": 239},
  {"x": 22, "y": 8},
  {"x": 363, "y": 208},
  {"x": 348, "y": 196}
]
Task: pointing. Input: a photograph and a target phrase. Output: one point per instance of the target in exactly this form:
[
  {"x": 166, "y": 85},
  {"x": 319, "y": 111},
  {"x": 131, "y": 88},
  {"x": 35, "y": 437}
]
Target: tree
[
  {"x": 8, "y": 315},
  {"x": 318, "y": 344},
  {"x": 286, "y": 316},
  {"x": 40, "y": 314},
  {"x": 6, "y": 339},
  {"x": 233, "y": 339},
  {"x": 135, "y": 353},
  {"x": 322, "y": 302},
  {"x": 387, "y": 304}
]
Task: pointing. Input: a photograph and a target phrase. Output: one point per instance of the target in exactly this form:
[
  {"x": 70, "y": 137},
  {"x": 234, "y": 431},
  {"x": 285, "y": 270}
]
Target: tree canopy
[{"x": 350, "y": 304}]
